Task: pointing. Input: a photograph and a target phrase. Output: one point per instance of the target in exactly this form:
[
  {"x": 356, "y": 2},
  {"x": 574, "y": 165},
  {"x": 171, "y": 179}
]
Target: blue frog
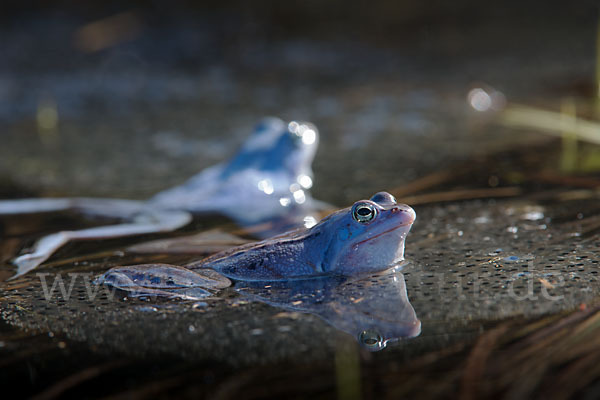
[
  {"x": 362, "y": 239},
  {"x": 266, "y": 181},
  {"x": 326, "y": 270}
]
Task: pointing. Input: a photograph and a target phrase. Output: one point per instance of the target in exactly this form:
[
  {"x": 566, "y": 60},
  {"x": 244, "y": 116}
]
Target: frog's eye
[
  {"x": 372, "y": 340},
  {"x": 364, "y": 212}
]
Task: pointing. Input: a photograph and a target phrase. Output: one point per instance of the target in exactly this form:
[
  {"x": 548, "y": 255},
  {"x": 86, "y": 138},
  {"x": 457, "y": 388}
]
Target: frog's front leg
[
  {"x": 164, "y": 280},
  {"x": 150, "y": 222}
]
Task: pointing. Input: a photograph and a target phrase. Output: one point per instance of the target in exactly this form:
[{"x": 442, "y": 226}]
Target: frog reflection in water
[
  {"x": 266, "y": 181},
  {"x": 315, "y": 263},
  {"x": 374, "y": 310}
]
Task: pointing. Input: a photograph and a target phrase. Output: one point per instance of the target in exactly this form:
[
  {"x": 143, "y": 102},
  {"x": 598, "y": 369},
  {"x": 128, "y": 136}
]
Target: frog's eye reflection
[
  {"x": 370, "y": 339},
  {"x": 364, "y": 212}
]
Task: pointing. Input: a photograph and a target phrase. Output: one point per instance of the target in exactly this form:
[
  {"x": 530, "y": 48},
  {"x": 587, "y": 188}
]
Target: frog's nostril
[{"x": 406, "y": 213}]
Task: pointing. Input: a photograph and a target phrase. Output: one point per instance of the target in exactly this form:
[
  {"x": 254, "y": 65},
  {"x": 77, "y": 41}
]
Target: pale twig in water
[{"x": 550, "y": 122}]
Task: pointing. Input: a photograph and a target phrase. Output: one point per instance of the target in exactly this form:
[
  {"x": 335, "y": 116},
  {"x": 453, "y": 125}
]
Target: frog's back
[{"x": 280, "y": 258}]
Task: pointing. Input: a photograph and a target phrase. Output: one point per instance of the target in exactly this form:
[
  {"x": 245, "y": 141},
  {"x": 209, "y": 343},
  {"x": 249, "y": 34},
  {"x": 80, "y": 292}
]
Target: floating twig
[
  {"x": 426, "y": 182},
  {"x": 63, "y": 385},
  {"x": 462, "y": 194}
]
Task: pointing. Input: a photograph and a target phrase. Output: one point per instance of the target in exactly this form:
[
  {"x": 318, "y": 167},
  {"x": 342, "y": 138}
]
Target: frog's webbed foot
[
  {"x": 27, "y": 262},
  {"x": 41, "y": 251},
  {"x": 164, "y": 280},
  {"x": 150, "y": 222}
]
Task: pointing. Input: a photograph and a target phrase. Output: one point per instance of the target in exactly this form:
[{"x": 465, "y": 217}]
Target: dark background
[{"x": 149, "y": 93}]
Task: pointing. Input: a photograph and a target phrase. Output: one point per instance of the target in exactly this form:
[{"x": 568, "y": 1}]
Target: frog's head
[
  {"x": 367, "y": 237},
  {"x": 279, "y": 147}
]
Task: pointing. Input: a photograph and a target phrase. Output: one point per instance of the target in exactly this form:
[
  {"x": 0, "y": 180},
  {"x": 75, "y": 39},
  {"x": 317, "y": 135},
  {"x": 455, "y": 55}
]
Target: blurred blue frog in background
[
  {"x": 267, "y": 181},
  {"x": 269, "y": 176}
]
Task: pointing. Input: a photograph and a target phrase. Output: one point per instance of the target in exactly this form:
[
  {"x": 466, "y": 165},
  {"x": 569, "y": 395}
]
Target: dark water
[{"x": 491, "y": 271}]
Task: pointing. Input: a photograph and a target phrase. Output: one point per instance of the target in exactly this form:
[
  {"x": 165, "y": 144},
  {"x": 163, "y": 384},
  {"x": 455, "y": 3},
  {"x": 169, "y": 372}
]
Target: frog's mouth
[{"x": 385, "y": 232}]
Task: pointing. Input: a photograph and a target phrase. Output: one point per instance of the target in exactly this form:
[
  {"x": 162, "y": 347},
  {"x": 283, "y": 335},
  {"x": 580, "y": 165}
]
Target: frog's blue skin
[
  {"x": 375, "y": 310},
  {"x": 339, "y": 245},
  {"x": 266, "y": 181}
]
